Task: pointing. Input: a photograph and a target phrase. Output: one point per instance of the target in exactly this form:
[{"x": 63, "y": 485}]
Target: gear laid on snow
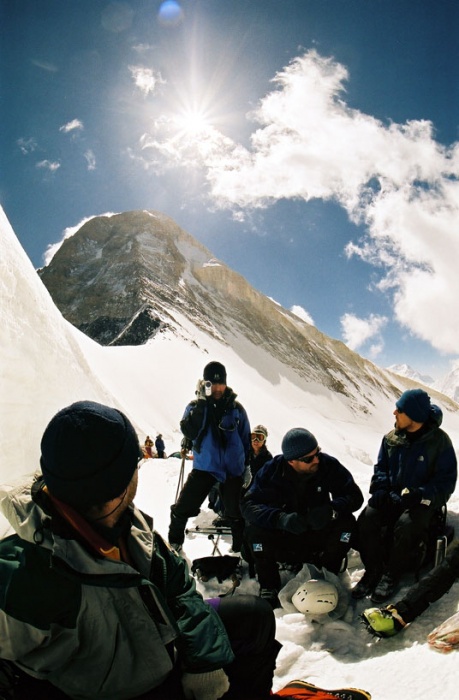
[
  {"x": 383, "y": 622},
  {"x": 316, "y": 596},
  {"x": 302, "y": 690}
]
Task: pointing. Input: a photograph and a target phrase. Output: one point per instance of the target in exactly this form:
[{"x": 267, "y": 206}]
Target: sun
[{"x": 193, "y": 122}]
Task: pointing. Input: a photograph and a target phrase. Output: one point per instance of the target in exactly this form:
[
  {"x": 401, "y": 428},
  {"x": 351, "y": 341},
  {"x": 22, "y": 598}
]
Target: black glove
[
  {"x": 8, "y": 678},
  {"x": 292, "y": 522},
  {"x": 320, "y": 517},
  {"x": 395, "y": 499},
  {"x": 411, "y": 498},
  {"x": 379, "y": 499},
  {"x": 186, "y": 445}
]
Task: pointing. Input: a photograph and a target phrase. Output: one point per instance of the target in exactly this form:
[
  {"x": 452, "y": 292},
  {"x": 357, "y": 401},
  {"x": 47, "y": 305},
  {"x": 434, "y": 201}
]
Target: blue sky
[{"x": 310, "y": 144}]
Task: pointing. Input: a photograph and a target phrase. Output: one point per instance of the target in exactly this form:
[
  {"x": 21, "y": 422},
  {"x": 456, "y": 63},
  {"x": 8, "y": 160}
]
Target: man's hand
[
  {"x": 201, "y": 390},
  {"x": 292, "y": 522},
  {"x": 205, "y": 686},
  {"x": 186, "y": 445},
  {"x": 411, "y": 498}
]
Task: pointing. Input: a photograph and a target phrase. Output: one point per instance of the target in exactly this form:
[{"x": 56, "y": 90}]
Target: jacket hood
[{"x": 32, "y": 523}]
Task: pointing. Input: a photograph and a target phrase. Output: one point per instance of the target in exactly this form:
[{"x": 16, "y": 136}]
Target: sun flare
[{"x": 193, "y": 122}]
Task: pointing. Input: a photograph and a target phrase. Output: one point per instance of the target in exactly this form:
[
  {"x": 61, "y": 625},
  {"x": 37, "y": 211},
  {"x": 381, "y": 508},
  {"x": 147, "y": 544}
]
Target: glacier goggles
[
  {"x": 257, "y": 437},
  {"x": 308, "y": 459}
]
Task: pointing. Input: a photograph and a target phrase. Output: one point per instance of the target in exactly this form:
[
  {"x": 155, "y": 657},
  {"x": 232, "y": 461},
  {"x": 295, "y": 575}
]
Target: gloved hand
[
  {"x": 292, "y": 522},
  {"x": 186, "y": 445},
  {"x": 411, "y": 498},
  {"x": 8, "y": 679},
  {"x": 201, "y": 390},
  {"x": 205, "y": 686},
  {"x": 320, "y": 517},
  {"x": 379, "y": 499},
  {"x": 395, "y": 499}
]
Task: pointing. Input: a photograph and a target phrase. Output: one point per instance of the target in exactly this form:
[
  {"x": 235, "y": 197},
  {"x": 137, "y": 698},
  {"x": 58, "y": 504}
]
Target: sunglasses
[
  {"x": 257, "y": 437},
  {"x": 310, "y": 458}
]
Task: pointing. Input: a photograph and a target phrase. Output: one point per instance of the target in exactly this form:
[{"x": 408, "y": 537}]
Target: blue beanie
[
  {"x": 89, "y": 453},
  {"x": 297, "y": 443},
  {"x": 416, "y": 404}
]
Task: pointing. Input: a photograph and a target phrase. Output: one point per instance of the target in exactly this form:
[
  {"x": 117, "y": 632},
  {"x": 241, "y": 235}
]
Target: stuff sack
[{"x": 224, "y": 567}]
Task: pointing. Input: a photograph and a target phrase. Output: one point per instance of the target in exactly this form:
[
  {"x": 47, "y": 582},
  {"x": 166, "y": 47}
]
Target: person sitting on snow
[
  {"x": 414, "y": 476},
  {"x": 299, "y": 510},
  {"x": 94, "y": 604},
  {"x": 387, "y": 621}
]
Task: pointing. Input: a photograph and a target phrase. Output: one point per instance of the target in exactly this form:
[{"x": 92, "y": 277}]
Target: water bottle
[{"x": 440, "y": 550}]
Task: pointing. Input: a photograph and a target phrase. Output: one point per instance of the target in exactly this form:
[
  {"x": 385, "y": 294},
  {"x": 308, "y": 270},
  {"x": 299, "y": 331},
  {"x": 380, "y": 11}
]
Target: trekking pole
[{"x": 181, "y": 478}]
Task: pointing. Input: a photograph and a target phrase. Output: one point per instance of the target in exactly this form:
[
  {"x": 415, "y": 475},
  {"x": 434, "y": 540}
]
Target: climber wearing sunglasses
[{"x": 299, "y": 510}]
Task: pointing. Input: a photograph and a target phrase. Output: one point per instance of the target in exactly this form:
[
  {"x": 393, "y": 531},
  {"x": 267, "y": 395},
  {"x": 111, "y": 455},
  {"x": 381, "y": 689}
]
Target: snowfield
[{"x": 47, "y": 364}]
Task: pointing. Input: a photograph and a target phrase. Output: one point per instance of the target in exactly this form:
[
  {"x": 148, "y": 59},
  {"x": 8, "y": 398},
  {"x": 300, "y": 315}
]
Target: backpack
[{"x": 222, "y": 567}]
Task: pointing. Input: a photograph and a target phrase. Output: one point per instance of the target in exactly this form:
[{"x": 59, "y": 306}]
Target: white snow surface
[{"x": 47, "y": 364}]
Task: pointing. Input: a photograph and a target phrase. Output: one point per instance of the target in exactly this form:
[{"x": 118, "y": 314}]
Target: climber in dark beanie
[
  {"x": 299, "y": 509},
  {"x": 217, "y": 429},
  {"x": 94, "y": 604}
]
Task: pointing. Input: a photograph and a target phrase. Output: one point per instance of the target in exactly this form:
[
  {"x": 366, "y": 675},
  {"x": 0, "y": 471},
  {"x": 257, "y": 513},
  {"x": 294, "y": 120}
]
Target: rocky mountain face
[{"x": 123, "y": 279}]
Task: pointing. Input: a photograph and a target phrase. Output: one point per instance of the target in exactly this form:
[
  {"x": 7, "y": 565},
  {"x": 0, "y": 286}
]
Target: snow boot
[
  {"x": 366, "y": 585},
  {"x": 385, "y": 588},
  {"x": 383, "y": 622},
  {"x": 302, "y": 690}
]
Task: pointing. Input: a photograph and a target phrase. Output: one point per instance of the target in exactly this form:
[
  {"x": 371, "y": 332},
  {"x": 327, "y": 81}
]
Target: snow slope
[{"x": 47, "y": 364}]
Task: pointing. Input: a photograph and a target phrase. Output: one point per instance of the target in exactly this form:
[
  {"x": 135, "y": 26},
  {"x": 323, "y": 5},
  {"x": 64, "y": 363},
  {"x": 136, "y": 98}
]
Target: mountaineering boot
[
  {"x": 383, "y": 622},
  {"x": 341, "y": 693},
  {"x": 221, "y": 521},
  {"x": 271, "y": 597},
  {"x": 385, "y": 588},
  {"x": 366, "y": 585}
]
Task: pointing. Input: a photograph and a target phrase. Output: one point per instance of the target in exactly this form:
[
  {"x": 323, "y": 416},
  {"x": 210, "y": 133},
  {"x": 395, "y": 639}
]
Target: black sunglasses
[{"x": 310, "y": 458}]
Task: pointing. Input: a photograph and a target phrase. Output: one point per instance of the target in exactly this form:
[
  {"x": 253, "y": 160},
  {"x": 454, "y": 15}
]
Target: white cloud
[
  {"x": 51, "y": 165},
  {"x": 90, "y": 159},
  {"x": 44, "y": 65},
  {"x": 393, "y": 178},
  {"x": 358, "y": 331},
  {"x": 146, "y": 79},
  {"x": 74, "y": 125},
  {"x": 302, "y": 313},
  {"x": 27, "y": 145}
]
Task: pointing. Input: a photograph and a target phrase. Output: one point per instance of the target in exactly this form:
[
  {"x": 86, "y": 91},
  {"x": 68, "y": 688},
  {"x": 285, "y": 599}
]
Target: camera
[{"x": 208, "y": 388}]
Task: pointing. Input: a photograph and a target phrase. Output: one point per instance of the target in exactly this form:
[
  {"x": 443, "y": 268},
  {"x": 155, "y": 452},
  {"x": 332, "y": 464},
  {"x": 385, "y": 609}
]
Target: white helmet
[{"x": 316, "y": 596}]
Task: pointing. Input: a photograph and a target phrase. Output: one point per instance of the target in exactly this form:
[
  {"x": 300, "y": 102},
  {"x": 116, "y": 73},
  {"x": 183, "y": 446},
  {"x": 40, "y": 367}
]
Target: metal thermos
[{"x": 440, "y": 550}]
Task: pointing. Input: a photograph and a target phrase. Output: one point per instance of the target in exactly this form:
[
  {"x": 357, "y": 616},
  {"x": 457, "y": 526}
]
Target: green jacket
[{"x": 95, "y": 627}]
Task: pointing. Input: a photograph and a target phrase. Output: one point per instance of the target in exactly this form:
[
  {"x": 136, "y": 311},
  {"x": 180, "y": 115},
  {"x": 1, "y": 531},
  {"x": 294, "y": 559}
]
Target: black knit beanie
[
  {"x": 215, "y": 372},
  {"x": 89, "y": 453}
]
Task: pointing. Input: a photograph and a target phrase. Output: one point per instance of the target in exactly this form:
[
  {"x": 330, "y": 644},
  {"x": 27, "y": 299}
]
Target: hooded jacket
[
  {"x": 277, "y": 489},
  {"x": 220, "y": 433},
  {"x": 93, "y": 626},
  {"x": 427, "y": 463}
]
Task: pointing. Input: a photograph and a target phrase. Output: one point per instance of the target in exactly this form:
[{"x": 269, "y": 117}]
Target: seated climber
[{"x": 299, "y": 509}]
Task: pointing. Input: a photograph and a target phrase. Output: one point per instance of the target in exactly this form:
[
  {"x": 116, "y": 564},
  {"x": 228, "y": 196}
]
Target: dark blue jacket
[
  {"x": 429, "y": 463},
  {"x": 277, "y": 489},
  {"x": 220, "y": 435}
]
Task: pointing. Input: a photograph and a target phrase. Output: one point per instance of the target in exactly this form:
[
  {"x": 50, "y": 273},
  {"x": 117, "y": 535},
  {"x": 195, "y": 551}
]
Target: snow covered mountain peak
[{"x": 125, "y": 278}]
